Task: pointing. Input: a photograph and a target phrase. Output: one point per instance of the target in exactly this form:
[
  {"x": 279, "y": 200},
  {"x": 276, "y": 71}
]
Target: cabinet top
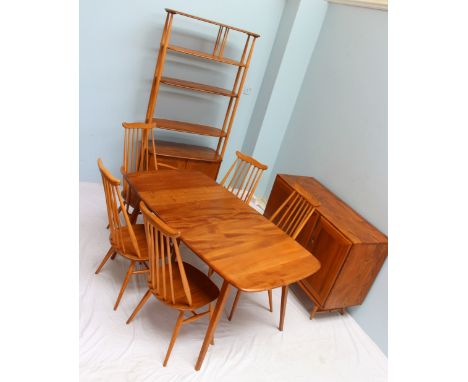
[{"x": 342, "y": 216}]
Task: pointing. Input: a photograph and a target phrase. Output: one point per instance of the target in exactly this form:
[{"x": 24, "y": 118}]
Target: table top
[{"x": 242, "y": 246}]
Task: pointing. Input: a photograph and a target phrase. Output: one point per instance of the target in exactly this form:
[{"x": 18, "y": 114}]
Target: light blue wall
[
  {"x": 338, "y": 130},
  {"x": 119, "y": 40},
  {"x": 297, "y": 34}
]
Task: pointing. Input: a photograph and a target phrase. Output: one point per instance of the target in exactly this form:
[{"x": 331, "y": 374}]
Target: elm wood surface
[
  {"x": 176, "y": 284},
  {"x": 187, "y": 127},
  {"x": 231, "y": 237},
  {"x": 222, "y": 134},
  {"x": 207, "y": 56},
  {"x": 351, "y": 251},
  {"x": 195, "y": 86},
  {"x": 126, "y": 239}
]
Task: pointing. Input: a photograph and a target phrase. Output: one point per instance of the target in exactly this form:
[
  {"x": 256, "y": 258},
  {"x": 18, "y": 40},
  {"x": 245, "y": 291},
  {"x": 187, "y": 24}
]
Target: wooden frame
[
  {"x": 210, "y": 161},
  {"x": 175, "y": 283},
  {"x": 124, "y": 237}
]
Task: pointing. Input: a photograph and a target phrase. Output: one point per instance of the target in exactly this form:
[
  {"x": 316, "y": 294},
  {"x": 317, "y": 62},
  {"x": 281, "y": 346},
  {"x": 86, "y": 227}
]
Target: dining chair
[
  {"x": 243, "y": 176},
  {"x": 126, "y": 239},
  {"x": 242, "y": 180},
  {"x": 175, "y": 283},
  {"x": 139, "y": 155},
  {"x": 291, "y": 216}
]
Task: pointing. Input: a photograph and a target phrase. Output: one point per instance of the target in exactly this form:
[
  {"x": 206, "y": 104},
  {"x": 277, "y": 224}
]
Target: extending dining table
[{"x": 242, "y": 246}]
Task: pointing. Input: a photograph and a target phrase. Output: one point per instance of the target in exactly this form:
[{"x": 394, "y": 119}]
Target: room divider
[{"x": 202, "y": 158}]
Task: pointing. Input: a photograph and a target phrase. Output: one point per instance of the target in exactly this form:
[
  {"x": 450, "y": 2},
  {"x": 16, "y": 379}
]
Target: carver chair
[
  {"x": 126, "y": 239},
  {"x": 291, "y": 217},
  {"x": 175, "y": 283}
]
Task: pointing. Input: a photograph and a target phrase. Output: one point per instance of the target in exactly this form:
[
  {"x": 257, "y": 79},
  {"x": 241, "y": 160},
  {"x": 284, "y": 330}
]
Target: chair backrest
[
  {"x": 113, "y": 202},
  {"x": 295, "y": 211},
  {"x": 162, "y": 243},
  {"x": 243, "y": 176},
  {"x": 139, "y": 147}
]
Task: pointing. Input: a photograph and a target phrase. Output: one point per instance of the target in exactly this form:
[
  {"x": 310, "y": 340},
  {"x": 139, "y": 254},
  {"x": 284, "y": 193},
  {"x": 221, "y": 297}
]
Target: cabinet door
[{"x": 330, "y": 247}]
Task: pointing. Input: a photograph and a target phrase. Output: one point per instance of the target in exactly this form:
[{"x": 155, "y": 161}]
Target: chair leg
[
  {"x": 113, "y": 256},
  {"x": 211, "y": 314},
  {"x": 109, "y": 254},
  {"x": 270, "y": 299},
  {"x": 124, "y": 285},
  {"x": 210, "y": 272},
  {"x": 179, "y": 323},
  {"x": 140, "y": 305},
  {"x": 234, "y": 304},
  {"x": 284, "y": 298},
  {"x": 314, "y": 311}
]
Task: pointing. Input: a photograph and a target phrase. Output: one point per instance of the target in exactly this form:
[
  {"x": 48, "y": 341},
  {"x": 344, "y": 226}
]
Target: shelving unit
[{"x": 205, "y": 159}]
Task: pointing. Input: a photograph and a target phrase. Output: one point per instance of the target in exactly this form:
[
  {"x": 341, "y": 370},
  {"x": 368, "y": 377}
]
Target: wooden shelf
[
  {"x": 181, "y": 150},
  {"x": 204, "y": 55},
  {"x": 186, "y": 127},
  {"x": 197, "y": 87}
]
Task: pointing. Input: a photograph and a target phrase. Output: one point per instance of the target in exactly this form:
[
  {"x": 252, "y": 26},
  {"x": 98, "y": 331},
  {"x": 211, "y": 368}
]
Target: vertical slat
[
  {"x": 220, "y": 31},
  {"x": 302, "y": 208},
  {"x": 171, "y": 276},
  {"x": 237, "y": 164},
  {"x": 223, "y": 181},
  {"x": 253, "y": 186},
  {"x": 223, "y": 44},
  {"x": 183, "y": 276},
  {"x": 156, "y": 247},
  {"x": 294, "y": 195},
  {"x": 303, "y": 222},
  {"x": 246, "y": 188},
  {"x": 242, "y": 178},
  {"x": 163, "y": 264}
]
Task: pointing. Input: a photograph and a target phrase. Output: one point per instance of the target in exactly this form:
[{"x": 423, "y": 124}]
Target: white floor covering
[{"x": 249, "y": 348}]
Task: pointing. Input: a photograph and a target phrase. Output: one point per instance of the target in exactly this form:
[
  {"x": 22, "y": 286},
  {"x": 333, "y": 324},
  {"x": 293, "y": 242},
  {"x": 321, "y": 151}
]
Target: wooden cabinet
[{"x": 351, "y": 251}]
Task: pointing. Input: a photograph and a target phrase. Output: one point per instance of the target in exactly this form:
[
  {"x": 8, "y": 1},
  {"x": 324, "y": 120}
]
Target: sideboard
[{"x": 351, "y": 251}]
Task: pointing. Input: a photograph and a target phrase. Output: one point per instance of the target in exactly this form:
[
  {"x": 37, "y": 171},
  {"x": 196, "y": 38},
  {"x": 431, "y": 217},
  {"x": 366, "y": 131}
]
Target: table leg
[
  {"x": 213, "y": 322},
  {"x": 284, "y": 298}
]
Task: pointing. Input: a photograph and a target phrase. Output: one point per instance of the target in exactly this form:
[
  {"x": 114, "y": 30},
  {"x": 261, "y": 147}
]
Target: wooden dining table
[{"x": 242, "y": 246}]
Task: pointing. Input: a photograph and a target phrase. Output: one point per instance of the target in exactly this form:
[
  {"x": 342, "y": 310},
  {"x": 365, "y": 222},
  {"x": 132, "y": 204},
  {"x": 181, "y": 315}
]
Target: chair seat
[
  {"x": 129, "y": 252},
  {"x": 202, "y": 289}
]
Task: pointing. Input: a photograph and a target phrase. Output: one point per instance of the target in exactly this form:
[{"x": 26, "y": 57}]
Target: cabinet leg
[
  {"x": 342, "y": 311},
  {"x": 313, "y": 311}
]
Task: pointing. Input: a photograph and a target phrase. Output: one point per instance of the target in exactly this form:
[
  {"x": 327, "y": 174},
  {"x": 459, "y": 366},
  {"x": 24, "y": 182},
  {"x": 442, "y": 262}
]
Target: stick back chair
[
  {"x": 126, "y": 239},
  {"x": 139, "y": 154},
  {"x": 243, "y": 176},
  {"x": 291, "y": 216},
  {"x": 175, "y": 283}
]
